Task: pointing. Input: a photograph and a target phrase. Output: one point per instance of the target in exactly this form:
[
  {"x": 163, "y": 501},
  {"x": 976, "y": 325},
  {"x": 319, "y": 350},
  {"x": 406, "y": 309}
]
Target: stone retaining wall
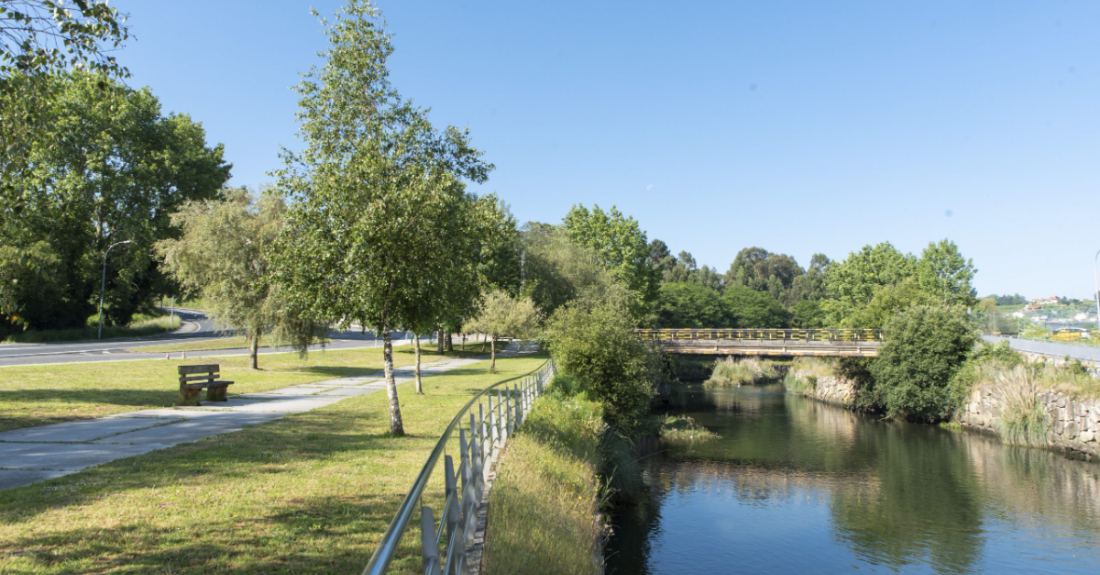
[
  {"x": 1074, "y": 424},
  {"x": 830, "y": 389}
]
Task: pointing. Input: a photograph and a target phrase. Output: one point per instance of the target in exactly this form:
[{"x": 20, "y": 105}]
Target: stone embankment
[
  {"x": 831, "y": 389},
  {"x": 1073, "y": 424}
]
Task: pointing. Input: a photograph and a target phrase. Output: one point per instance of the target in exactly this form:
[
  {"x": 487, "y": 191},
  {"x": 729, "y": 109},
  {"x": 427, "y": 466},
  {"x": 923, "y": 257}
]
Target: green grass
[
  {"x": 310, "y": 493},
  {"x": 805, "y": 372},
  {"x": 39, "y": 395},
  {"x": 208, "y": 345},
  {"x": 544, "y": 505},
  {"x": 729, "y": 372},
  {"x": 141, "y": 325}
]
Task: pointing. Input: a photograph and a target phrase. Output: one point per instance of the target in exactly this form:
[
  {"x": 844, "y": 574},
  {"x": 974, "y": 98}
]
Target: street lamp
[
  {"x": 103, "y": 286},
  {"x": 1097, "y": 285}
]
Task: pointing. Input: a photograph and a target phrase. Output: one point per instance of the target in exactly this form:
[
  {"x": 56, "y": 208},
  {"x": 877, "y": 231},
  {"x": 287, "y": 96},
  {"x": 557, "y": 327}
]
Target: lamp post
[
  {"x": 1096, "y": 284},
  {"x": 103, "y": 285}
]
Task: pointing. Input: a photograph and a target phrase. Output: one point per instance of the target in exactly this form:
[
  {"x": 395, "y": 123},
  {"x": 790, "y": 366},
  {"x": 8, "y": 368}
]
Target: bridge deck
[
  {"x": 773, "y": 348},
  {"x": 774, "y": 342}
]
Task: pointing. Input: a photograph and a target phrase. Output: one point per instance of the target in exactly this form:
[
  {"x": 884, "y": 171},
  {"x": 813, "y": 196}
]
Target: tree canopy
[
  {"x": 223, "y": 254},
  {"x": 378, "y": 196},
  {"x": 116, "y": 170}
]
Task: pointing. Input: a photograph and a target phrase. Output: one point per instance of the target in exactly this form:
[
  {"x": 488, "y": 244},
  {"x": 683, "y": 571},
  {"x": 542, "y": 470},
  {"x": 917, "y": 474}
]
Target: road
[{"x": 196, "y": 327}]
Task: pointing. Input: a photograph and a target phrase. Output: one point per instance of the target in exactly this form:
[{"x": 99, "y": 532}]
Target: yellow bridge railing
[{"x": 749, "y": 334}]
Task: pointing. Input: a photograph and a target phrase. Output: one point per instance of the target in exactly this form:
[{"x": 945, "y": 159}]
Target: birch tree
[{"x": 374, "y": 193}]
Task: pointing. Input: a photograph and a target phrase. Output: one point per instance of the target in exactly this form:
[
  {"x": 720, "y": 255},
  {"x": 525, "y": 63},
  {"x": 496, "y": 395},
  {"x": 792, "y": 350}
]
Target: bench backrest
[{"x": 193, "y": 373}]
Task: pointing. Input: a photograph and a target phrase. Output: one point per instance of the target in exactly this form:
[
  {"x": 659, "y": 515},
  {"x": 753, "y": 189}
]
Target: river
[{"x": 796, "y": 486}]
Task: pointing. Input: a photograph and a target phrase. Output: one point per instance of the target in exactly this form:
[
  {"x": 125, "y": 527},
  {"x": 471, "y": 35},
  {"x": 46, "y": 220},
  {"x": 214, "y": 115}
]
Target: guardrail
[
  {"x": 479, "y": 445},
  {"x": 749, "y": 334}
]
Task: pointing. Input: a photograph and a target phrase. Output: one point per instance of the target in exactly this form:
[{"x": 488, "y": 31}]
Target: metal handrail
[
  {"x": 472, "y": 470},
  {"x": 752, "y": 334}
]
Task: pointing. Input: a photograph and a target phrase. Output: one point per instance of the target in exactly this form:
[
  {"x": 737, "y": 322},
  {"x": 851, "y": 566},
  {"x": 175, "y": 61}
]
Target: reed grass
[
  {"x": 730, "y": 372},
  {"x": 682, "y": 429},
  {"x": 1023, "y": 420}
]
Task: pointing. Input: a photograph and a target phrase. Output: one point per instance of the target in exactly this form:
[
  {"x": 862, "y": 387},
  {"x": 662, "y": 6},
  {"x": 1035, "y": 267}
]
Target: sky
[{"x": 799, "y": 127}]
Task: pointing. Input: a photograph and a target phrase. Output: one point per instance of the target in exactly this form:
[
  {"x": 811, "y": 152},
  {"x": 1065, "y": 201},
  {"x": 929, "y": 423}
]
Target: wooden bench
[{"x": 195, "y": 377}]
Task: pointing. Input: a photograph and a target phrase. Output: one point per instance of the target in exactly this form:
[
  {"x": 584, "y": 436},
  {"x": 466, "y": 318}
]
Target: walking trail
[{"x": 35, "y": 454}]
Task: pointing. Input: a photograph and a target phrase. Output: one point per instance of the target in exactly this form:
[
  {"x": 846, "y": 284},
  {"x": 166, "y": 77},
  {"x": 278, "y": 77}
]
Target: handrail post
[
  {"x": 429, "y": 551},
  {"x": 509, "y": 420},
  {"x": 452, "y": 494},
  {"x": 501, "y": 427},
  {"x": 494, "y": 432}
]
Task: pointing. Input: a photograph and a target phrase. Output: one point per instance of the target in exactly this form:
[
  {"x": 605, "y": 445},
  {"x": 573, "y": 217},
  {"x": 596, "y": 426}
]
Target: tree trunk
[
  {"x": 254, "y": 350},
  {"x": 493, "y": 353},
  {"x": 439, "y": 341},
  {"x": 416, "y": 344},
  {"x": 396, "y": 427},
  {"x": 450, "y": 342},
  {"x": 463, "y": 342}
]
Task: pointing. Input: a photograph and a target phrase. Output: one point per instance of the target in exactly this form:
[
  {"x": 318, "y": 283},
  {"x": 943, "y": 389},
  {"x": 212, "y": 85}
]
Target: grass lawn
[
  {"x": 310, "y": 493},
  {"x": 38, "y": 395}
]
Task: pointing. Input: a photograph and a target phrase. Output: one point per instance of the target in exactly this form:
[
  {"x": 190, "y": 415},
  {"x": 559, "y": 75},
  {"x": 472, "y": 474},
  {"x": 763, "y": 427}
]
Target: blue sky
[{"x": 800, "y": 127}]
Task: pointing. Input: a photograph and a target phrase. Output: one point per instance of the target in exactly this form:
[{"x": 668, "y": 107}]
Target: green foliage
[
  {"x": 111, "y": 168},
  {"x": 808, "y": 314},
  {"x": 622, "y": 248},
  {"x": 924, "y": 348},
  {"x": 756, "y": 309},
  {"x": 597, "y": 344},
  {"x": 558, "y": 271},
  {"x": 381, "y": 230},
  {"x": 223, "y": 254},
  {"x": 943, "y": 272},
  {"x": 873, "y": 284},
  {"x": 500, "y": 316},
  {"x": 760, "y": 270},
  {"x": 690, "y": 305}
]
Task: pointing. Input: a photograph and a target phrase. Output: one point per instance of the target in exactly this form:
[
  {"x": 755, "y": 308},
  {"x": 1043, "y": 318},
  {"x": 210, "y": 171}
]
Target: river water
[{"x": 796, "y": 486}]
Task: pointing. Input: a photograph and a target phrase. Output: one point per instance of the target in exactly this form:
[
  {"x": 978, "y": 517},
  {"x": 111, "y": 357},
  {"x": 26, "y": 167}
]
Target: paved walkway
[{"x": 35, "y": 454}]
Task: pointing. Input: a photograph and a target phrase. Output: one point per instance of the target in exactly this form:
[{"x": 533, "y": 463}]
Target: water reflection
[{"x": 794, "y": 486}]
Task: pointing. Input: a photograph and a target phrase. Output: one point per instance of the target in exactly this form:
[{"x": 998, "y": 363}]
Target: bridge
[{"x": 774, "y": 342}]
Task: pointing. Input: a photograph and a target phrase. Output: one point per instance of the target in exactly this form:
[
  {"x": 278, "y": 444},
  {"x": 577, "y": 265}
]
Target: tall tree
[
  {"x": 622, "y": 247},
  {"x": 116, "y": 170},
  {"x": 558, "y": 271},
  {"x": 691, "y": 305},
  {"x": 761, "y": 270},
  {"x": 943, "y": 272},
  {"x": 224, "y": 254},
  {"x": 376, "y": 191}
]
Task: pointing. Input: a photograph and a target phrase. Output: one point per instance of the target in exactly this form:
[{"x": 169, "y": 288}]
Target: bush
[
  {"x": 924, "y": 347},
  {"x": 597, "y": 344}
]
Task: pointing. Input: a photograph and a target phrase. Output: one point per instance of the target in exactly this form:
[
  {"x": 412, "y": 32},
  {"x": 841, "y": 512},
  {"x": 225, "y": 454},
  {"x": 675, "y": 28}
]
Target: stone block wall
[
  {"x": 830, "y": 389},
  {"x": 1074, "y": 423}
]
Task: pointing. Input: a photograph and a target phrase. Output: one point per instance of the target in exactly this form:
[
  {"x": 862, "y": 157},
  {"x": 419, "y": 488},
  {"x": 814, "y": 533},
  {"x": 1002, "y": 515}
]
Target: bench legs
[
  {"x": 216, "y": 393},
  {"x": 189, "y": 395}
]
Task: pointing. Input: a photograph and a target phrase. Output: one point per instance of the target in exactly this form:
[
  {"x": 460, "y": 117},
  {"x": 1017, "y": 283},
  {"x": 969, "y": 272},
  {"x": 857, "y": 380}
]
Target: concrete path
[{"x": 35, "y": 454}]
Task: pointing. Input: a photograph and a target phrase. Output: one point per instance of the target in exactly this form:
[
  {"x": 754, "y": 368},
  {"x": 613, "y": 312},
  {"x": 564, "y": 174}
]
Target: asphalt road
[{"x": 196, "y": 327}]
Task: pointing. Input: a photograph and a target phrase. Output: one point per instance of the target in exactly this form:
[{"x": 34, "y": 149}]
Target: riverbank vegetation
[
  {"x": 731, "y": 372},
  {"x": 545, "y": 504}
]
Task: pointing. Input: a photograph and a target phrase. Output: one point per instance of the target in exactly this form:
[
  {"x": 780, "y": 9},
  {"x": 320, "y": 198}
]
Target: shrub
[
  {"x": 597, "y": 344},
  {"x": 924, "y": 347}
]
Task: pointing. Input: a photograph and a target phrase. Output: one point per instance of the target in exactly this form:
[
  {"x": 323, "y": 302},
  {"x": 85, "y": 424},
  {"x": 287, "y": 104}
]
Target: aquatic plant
[{"x": 684, "y": 429}]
